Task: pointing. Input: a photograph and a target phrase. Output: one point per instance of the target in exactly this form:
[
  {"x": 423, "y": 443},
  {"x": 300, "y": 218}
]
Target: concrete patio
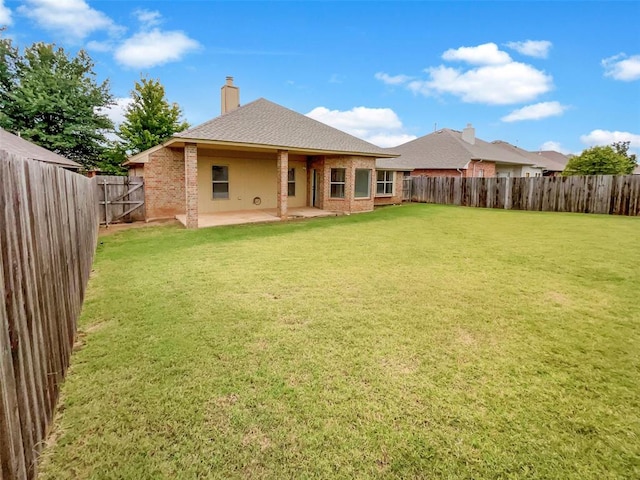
[{"x": 255, "y": 216}]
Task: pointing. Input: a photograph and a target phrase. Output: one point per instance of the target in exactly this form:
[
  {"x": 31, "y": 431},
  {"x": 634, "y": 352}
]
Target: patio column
[
  {"x": 191, "y": 184},
  {"x": 283, "y": 182}
]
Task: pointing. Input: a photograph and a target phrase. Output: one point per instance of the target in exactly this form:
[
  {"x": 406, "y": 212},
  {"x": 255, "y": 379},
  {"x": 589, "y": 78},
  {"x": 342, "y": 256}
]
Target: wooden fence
[
  {"x": 121, "y": 199},
  {"x": 48, "y": 232},
  {"x": 617, "y": 195}
]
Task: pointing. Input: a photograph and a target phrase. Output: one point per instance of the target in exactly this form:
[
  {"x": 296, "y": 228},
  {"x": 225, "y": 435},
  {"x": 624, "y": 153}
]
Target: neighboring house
[
  {"x": 636, "y": 171},
  {"x": 553, "y": 162},
  {"x": 451, "y": 153},
  {"x": 262, "y": 156},
  {"x": 19, "y": 146}
]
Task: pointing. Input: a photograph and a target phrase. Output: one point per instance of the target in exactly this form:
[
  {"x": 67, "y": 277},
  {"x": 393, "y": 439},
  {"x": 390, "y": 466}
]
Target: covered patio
[{"x": 255, "y": 216}]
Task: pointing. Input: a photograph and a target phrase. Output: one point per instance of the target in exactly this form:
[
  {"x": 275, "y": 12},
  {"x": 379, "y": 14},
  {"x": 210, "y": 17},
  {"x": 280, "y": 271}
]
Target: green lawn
[{"x": 417, "y": 341}]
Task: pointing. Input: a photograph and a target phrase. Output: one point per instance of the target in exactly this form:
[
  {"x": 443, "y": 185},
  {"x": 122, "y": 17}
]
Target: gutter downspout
[{"x": 460, "y": 172}]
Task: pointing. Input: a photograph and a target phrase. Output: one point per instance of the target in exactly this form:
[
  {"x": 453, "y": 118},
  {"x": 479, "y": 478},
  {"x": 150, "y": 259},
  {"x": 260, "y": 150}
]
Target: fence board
[
  {"x": 121, "y": 198},
  {"x": 48, "y": 232},
  {"x": 604, "y": 194}
]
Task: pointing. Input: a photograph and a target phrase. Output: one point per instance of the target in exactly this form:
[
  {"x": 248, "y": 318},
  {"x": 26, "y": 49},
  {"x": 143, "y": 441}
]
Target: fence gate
[
  {"x": 407, "y": 183},
  {"x": 121, "y": 198}
]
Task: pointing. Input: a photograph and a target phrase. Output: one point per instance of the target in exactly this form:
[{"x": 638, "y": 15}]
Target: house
[
  {"x": 636, "y": 171},
  {"x": 19, "y": 146},
  {"x": 262, "y": 156},
  {"x": 449, "y": 153},
  {"x": 553, "y": 162}
]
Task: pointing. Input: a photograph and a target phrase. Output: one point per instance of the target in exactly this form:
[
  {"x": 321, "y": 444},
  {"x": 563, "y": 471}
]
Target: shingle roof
[
  {"x": 262, "y": 122},
  {"x": 552, "y": 160},
  {"x": 23, "y": 148},
  {"x": 445, "y": 149}
]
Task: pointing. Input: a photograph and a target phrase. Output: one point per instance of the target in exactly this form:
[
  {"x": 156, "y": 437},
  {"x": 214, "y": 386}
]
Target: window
[
  {"x": 291, "y": 191},
  {"x": 338, "y": 176},
  {"x": 481, "y": 172},
  {"x": 384, "y": 183},
  {"x": 363, "y": 183},
  {"x": 527, "y": 174},
  {"x": 220, "y": 175}
]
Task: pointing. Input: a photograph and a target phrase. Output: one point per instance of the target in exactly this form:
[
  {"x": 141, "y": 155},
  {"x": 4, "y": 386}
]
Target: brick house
[
  {"x": 262, "y": 156},
  {"x": 451, "y": 153}
]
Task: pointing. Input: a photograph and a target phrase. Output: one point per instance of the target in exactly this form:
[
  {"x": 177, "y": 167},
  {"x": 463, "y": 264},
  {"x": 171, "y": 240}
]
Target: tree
[
  {"x": 54, "y": 101},
  {"x": 622, "y": 148},
  {"x": 149, "y": 119},
  {"x": 598, "y": 161}
]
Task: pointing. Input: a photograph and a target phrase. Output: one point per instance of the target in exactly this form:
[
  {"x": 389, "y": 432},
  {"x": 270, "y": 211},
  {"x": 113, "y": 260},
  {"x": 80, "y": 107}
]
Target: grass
[{"x": 417, "y": 341}]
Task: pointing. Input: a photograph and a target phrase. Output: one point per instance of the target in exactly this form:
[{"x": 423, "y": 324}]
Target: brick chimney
[
  {"x": 469, "y": 134},
  {"x": 229, "y": 96}
]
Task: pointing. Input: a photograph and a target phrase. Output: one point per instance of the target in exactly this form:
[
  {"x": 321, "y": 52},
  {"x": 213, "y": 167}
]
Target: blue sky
[{"x": 540, "y": 75}]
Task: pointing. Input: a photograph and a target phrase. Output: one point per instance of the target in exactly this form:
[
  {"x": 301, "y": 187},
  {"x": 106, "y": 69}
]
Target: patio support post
[
  {"x": 283, "y": 182},
  {"x": 191, "y": 184}
]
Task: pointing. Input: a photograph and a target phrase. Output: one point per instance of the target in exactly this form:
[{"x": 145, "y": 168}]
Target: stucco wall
[
  {"x": 517, "y": 171},
  {"x": 251, "y": 176}
]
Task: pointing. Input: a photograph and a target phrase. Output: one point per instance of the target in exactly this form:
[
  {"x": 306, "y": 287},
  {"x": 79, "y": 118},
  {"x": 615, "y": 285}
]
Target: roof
[
  {"x": 262, "y": 123},
  {"x": 23, "y": 148},
  {"x": 445, "y": 149},
  {"x": 552, "y": 160}
]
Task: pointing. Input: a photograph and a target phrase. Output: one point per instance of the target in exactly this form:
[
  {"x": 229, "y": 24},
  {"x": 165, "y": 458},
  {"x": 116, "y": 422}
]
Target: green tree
[
  {"x": 54, "y": 101},
  {"x": 150, "y": 118},
  {"x": 598, "y": 161},
  {"x": 622, "y": 148}
]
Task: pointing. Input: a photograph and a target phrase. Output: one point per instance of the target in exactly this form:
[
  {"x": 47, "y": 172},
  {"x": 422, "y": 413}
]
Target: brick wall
[
  {"x": 164, "y": 184},
  {"x": 191, "y": 184},
  {"x": 397, "y": 191},
  {"x": 348, "y": 204},
  {"x": 473, "y": 170},
  {"x": 489, "y": 169}
]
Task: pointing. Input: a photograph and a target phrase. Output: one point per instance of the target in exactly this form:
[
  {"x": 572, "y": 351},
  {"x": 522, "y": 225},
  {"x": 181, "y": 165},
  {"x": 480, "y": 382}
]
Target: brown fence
[
  {"x": 617, "y": 195},
  {"x": 121, "y": 199},
  {"x": 48, "y": 231}
]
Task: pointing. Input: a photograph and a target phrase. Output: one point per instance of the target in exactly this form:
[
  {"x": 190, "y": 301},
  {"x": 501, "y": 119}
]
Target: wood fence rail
[
  {"x": 121, "y": 199},
  {"x": 48, "y": 233},
  {"x": 607, "y": 194}
]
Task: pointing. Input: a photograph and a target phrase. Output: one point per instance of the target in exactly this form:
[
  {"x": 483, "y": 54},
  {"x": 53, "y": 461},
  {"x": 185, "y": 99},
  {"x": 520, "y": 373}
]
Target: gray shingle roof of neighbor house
[
  {"x": 265, "y": 123},
  {"x": 552, "y": 160},
  {"x": 445, "y": 149},
  {"x": 23, "y": 148}
]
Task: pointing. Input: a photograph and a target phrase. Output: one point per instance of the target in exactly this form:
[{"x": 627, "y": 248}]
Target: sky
[{"x": 554, "y": 75}]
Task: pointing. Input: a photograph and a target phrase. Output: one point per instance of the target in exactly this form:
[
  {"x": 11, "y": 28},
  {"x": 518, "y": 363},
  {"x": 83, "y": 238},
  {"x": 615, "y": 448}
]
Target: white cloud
[
  {"x": 97, "y": 46},
  {"x": 606, "y": 137},
  {"x": 72, "y": 18},
  {"x": 380, "y": 126},
  {"x": 486, "y": 54},
  {"x": 117, "y": 111},
  {"x": 621, "y": 67},
  {"x": 513, "y": 82},
  {"x": 555, "y": 146},
  {"x": 148, "y": 18},
  {"x": 537, "y": 111},
  {"x": 5, "y": 14},
  {"x": 532, "y": 48},
  {"x": 154, "y": 47},
  {"x": 392, "y": 79}
]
